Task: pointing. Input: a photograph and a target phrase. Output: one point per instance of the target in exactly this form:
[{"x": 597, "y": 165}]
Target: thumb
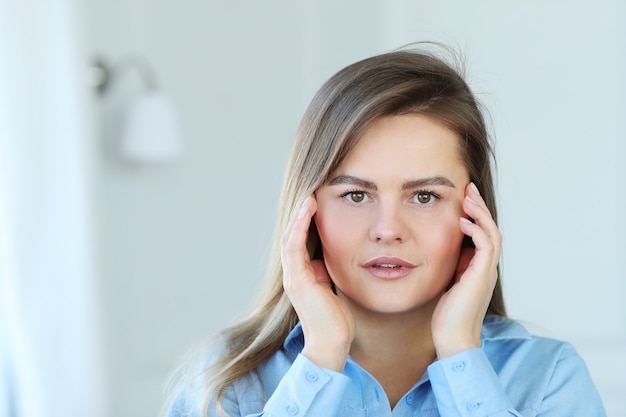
[
  {"x": 321, "y": 273},
  {"x": 465, "y": 258}
]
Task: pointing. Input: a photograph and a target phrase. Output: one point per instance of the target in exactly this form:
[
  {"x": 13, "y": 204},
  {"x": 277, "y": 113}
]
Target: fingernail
[
  {"x": 468, "y": 198},
  {"x": 474, "y": 188},
  {"x": 464, "y": 220}
]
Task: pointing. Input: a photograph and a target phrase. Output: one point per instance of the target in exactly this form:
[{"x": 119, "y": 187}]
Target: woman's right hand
[{"x": 327, "y": 322}]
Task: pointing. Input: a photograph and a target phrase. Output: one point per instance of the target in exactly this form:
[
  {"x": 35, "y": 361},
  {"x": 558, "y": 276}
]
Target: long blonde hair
[{"x": 399, "y": 82}]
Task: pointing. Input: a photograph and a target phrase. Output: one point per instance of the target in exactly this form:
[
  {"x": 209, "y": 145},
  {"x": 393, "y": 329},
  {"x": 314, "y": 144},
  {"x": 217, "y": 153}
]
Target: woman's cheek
[
  {"x": 449, "y": 238},
  {"x": 336, "y": 216}
]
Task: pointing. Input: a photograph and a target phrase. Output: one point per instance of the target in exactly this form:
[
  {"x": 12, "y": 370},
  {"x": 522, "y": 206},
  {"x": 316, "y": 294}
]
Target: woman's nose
[{"x": 388, "y": 224}]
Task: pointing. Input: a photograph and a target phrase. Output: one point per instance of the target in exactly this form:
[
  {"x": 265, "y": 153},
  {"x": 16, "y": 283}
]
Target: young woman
[{"x": 383, "y": 294}]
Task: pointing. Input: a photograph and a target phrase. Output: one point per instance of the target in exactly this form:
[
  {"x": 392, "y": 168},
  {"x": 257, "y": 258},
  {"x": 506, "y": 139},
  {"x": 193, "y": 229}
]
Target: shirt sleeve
[
  {"x": 307, "y": 390},
  {"x": 466, "y": 385}
]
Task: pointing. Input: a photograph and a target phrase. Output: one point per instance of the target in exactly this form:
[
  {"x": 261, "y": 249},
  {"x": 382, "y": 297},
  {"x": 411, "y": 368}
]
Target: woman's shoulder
[
  {"x": 550, "y": 368},
  {"x": 507, "y": 340},
  {"x": 187, "y": 387}
]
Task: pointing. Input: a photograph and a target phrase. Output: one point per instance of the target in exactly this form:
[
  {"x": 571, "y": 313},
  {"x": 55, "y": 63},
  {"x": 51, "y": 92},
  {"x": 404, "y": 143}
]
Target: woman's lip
[
  {"x": 391, "y": 262},
  {"x": 388, "y": 268}
]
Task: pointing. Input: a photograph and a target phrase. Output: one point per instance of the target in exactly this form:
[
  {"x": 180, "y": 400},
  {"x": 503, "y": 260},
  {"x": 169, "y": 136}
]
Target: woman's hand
[
  {"x": 327, "y": 322},
  {"x": 458, "y": 316}
]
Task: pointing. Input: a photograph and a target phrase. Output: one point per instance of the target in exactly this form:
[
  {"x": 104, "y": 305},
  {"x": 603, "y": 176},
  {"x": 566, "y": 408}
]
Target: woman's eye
[
  {"x": 356, "y": 197},
  {"x": 424, "y": 198}
]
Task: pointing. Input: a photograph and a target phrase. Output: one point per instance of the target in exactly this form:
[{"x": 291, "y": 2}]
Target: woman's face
[{"x": 388, "y": 219}]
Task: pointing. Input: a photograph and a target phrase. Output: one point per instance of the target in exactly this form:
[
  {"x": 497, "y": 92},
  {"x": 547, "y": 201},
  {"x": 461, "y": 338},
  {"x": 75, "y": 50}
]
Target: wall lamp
[{"x": 150, "y": 131}]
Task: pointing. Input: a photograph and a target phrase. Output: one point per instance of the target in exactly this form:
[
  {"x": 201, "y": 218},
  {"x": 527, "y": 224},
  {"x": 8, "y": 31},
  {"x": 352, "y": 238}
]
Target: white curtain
[{"x": 50, "y": 357}]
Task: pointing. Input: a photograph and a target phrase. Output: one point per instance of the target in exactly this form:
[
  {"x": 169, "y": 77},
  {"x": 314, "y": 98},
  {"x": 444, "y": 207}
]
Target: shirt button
[
  {"x": 409, "y": 399},
  {"x": 292, "y": 410},
  {"x": 473, "y": 406},
  {"x": 311, "y": 376},
  {"x": 458, "y": 366}
]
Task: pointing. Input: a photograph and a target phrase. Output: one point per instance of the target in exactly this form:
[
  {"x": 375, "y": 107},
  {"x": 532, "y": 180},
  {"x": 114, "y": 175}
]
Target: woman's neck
[
  {"x": 380, "y": 336},
  {"x": 394, "y": 348}
]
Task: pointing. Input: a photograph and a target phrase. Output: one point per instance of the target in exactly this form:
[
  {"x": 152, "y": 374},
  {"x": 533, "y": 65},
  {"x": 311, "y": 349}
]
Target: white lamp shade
[{"x": 151, "y": 132}]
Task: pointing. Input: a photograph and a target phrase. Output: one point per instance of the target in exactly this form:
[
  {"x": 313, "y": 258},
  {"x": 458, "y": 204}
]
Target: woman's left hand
[{"x": 459, "y": 314}]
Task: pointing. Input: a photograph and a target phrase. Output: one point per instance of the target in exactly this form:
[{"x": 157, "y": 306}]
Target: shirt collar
[
  {"x": 499, "y": 328},
  {"x": 294, "y": 342}
]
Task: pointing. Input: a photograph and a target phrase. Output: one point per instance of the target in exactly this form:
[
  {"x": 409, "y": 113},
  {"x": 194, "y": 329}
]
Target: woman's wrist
[
  {"x": 327, "y": 356},
  {"x": 450, "y": 346}
]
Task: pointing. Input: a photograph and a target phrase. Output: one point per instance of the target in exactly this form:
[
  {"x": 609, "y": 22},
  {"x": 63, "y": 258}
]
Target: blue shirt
[{"x": 512, "y": 374}]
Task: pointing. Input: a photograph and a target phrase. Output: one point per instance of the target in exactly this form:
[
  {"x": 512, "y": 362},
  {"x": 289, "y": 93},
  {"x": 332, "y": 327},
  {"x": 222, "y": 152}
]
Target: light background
[{"x": 181, "y": 248}]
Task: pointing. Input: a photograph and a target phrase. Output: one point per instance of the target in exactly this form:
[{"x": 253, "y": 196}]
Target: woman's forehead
[{"x": 410, "y": 140}]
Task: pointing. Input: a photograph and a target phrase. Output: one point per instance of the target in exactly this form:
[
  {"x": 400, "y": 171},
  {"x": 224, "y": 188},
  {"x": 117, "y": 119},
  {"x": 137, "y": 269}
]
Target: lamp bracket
[{"x": 102, "y": 73}]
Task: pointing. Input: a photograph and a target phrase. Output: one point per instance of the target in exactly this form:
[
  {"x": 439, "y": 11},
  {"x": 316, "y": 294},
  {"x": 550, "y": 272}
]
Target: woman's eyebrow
[
  {"x": 428, "y": 181},
  {"x": 352, "y": 180},
  {"x": 409, "y": 185}
]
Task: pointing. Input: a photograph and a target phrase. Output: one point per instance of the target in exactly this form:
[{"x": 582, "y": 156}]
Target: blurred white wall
[
  {"x": 50, "y": 345},
  {"x": 182, "y": 246}
]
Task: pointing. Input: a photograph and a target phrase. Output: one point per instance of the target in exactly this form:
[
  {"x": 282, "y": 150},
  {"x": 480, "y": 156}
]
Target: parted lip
[{"x": 389, "y": 261}]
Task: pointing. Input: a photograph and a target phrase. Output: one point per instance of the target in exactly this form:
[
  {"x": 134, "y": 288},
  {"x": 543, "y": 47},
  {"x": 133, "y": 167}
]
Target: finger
[
  {"x": 476, "y": 208},
  {"x": 294, "y": 237},
  {"x": 294, "y": 253},
  {"x": 294, "y": 219},
  {"x": 487, "y": 249}
]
